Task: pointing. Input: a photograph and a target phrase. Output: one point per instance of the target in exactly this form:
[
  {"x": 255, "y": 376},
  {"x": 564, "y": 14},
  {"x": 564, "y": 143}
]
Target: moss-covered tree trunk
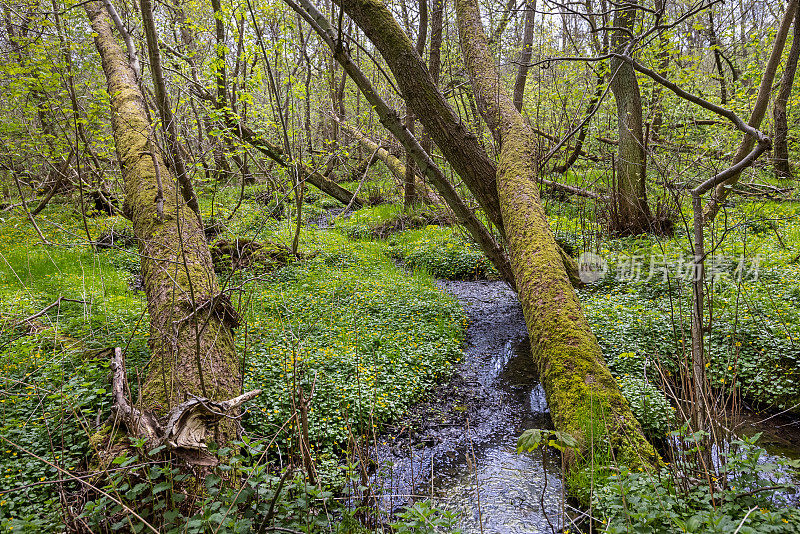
[
  {"x": 631, "y": 213},
  {"x": 191, "y": 323},
  {"x": 583, "y": 397}
]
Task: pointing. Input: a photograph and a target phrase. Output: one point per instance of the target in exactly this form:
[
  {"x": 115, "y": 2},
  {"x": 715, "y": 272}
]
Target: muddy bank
[{"x": 460, "y": 445}]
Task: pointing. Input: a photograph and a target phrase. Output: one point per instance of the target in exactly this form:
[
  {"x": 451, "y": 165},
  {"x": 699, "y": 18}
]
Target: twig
[
  {"x": 58, "y": 301},
  {"x": 750, "y": 511}
]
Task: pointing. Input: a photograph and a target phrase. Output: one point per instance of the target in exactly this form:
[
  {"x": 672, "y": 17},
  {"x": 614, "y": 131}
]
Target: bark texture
[
  {"x": 631, "y": 211},
  {"x": 583, "y": 397},
  {"x": 780, "y": 157},
  {"x": 191, "y": 323}
]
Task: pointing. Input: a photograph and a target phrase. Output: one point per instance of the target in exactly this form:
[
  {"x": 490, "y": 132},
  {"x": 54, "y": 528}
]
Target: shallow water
[{"x": 472, "y": 467}]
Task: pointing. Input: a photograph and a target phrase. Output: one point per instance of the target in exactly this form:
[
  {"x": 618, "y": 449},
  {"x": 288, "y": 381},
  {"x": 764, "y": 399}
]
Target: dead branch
[{"x": 187, "y": 425}]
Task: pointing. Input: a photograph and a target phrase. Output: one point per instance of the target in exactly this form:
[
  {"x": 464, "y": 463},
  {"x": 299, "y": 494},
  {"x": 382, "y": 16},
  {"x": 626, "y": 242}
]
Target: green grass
[{"x": 53, "y": 385}]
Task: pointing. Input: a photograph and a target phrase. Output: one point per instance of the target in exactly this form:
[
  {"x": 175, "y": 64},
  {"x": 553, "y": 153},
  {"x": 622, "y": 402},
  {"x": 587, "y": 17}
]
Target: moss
[{"x": 106, "y": 444}]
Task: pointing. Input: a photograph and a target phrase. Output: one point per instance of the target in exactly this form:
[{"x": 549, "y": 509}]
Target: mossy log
[
  {"x": 584, "y": 398},
  {"x": 191, "y": 324}
]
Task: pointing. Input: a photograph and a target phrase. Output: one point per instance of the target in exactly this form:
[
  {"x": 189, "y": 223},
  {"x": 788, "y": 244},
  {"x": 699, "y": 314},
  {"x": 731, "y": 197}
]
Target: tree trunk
[
  {"x": 165, "y": 109},
  {"x": 191, "y": 322},
  {"x": 780, "y": 156},
  {"x": 525, "y": 55},
  {"x": 389, "y": 118},
  {"x": 759, "y": 109},
  {"x": 395, "y": 166},
  {"x": 409, "y": 185},
  {"x": 714, "y": 43},
  {"x": 434, "y": 58},
  {"x": 656, "y": 98},
  {"x": 392, "y": 163},
  {"x": 583, "y": 397},
  {"x": 631, "y": 211}
]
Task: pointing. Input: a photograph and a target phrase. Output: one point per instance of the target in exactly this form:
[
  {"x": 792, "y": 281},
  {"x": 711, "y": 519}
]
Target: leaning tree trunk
[
  {"x": 395, "y": 166},
  {"x": 583, "y": 397},
  {"x": 780, "y": 155},
  {"x": 757, "y": 115},
  {"x": 191, "y": 322},
  {"x": 631, "y": 211}
]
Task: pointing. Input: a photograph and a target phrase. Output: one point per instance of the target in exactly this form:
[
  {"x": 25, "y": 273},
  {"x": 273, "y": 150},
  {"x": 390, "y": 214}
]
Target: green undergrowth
[
  {"x": 444, "y": 252},
  {"x": 54, "y": 371},
  {"x": 363, "y": 337},
  {"x": 368, "y": 337},
  {"x": 751, "y": 493},
  {"x": 641, "y": 310}
]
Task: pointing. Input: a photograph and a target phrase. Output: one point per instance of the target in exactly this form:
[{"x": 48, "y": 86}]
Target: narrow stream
[{"x": 460, "y": 448}]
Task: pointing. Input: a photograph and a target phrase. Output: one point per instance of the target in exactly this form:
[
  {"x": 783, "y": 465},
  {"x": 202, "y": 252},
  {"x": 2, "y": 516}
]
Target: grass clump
[{"x": 443, "y": 252}]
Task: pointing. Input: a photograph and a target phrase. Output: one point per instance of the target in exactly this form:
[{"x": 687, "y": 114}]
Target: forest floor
[{"x": 358, "y": 318}]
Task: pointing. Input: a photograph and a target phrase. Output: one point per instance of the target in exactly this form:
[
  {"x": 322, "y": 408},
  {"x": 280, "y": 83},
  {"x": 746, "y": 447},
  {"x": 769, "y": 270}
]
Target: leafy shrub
[
  {"x": 662, "y": 503},
  {"x": 424, "y": 518},
  {"x": 239, "y": 495},
  {"x": 649, "y": 405},
  {"x": 443, "y": 253}
]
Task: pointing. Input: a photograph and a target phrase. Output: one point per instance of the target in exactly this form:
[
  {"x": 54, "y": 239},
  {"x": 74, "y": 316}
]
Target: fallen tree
[{"x": 237, "y": 127}]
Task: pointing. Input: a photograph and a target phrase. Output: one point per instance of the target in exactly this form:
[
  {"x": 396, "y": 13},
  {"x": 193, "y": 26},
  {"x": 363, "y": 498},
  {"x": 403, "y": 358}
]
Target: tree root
[{"x": 187, "y": 425}]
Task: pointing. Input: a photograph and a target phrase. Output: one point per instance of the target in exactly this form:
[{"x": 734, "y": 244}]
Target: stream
[{"x": 460, "y": 447}]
